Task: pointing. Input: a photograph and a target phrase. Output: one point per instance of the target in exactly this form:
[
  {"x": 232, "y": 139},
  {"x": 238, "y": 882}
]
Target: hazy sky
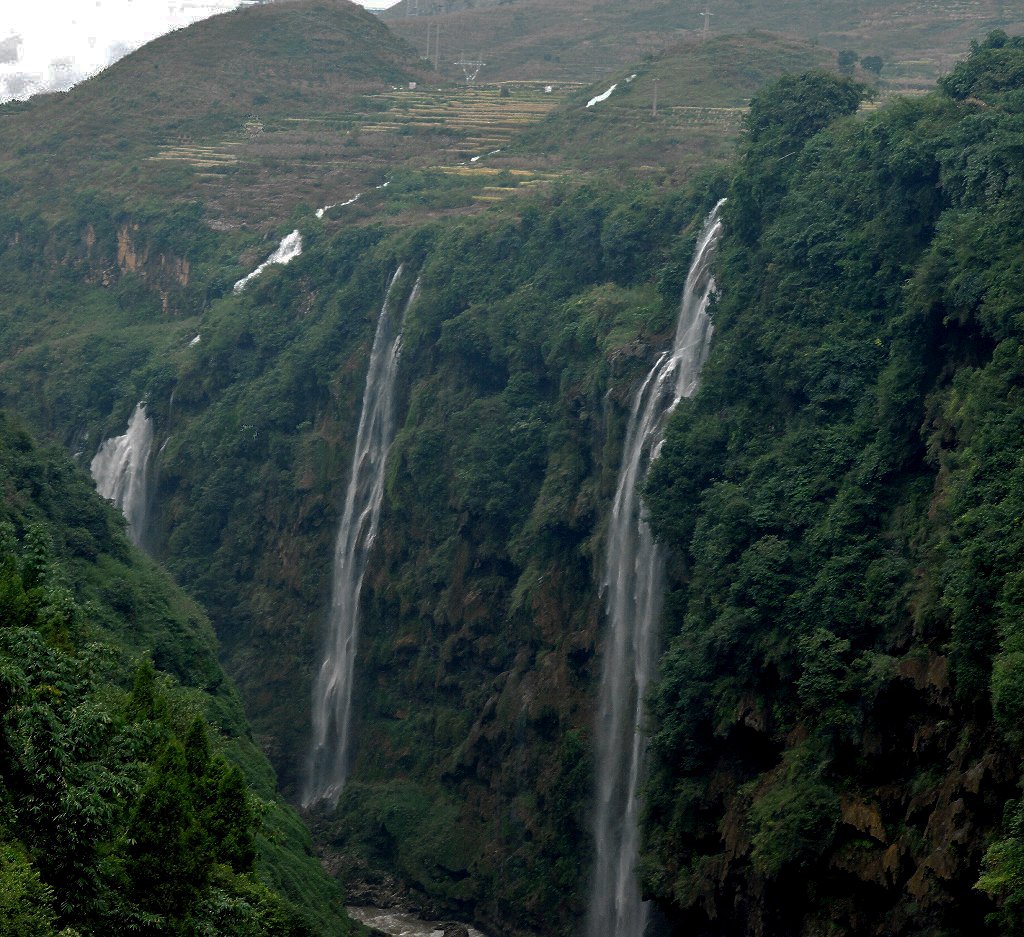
[{"x": 48, "y": 45}]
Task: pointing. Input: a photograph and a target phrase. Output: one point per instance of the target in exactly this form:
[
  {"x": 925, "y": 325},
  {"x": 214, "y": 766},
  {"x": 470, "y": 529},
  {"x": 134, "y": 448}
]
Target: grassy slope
[{"x": 211, "y": 86}]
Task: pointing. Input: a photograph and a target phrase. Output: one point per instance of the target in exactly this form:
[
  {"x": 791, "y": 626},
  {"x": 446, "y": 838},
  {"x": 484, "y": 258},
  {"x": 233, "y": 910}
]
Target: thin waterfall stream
[
  {"x": 332, "y": 691},
  {"x": 120, "y": 470},
  {"x": 634, "y": 586}
]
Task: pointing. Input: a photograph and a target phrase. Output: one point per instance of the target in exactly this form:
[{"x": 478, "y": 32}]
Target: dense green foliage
[
  {"x": 837, "y": 726},
  {"x": 118, "y": 810}
]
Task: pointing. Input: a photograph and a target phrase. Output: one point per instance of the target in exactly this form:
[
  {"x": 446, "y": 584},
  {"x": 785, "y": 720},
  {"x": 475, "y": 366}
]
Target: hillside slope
[
  {"x": 215, "y": 110},
  {"x": 702, "y": 97},
  {"x": 133, "y": 796}
]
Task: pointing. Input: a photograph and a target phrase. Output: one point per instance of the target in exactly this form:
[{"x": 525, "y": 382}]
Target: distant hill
[
  {"x": 202, "y": 98},
  {"x": 586, "y": 39}
]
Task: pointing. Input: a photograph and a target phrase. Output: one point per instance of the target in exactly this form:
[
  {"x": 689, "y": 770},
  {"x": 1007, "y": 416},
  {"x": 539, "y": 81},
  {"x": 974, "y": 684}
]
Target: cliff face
[
  {"x": 480, "y": 612},
  {"x": 836, "y": 738}
]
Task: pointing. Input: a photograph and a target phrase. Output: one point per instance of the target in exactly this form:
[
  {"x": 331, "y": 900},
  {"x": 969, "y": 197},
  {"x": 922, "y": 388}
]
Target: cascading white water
[
  {"x": 121, "y": 471},
  {"x": 634, "y": 584},
  {"x": 289, "y": 248},
  {"x": 332, "y": 692}
]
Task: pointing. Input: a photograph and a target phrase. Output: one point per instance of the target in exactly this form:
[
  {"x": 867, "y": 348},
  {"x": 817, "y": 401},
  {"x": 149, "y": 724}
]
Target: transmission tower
[
  {"x": 469, "y": 69},
  {"x": 707, "y": 14},
  {"x": 437, "y": 43}
]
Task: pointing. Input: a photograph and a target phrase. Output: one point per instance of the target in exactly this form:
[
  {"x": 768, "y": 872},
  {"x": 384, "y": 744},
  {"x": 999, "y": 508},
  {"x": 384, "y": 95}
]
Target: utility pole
[
  {"x": 654, "y": 109},
  {"x": 707, "y": 14},
  {"x": 437, "y": 48}
]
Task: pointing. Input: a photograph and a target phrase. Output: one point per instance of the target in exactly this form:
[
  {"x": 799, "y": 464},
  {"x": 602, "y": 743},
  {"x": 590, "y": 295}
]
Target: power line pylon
[
  {"x": 707, "y": 14},
  {"x": 470, "y": 69}
]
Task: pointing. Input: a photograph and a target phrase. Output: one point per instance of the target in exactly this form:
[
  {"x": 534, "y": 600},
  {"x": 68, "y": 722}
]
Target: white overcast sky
[{"x": 50, "y": 44}]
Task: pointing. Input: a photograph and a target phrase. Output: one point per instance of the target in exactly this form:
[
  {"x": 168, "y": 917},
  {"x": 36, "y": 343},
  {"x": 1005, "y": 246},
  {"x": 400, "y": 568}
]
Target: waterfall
[
  {"x": 121, "y": 471},
  {"x": 634, "y": 586},
  {"x": 332, "y": 692},
  {"x": 289, "y": 248}
]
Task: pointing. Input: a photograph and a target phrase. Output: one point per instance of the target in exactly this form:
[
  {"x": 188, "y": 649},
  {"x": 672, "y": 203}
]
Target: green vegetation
[
  {"x": 123, "y": 803},
  {"x": 842, "y": 503}
]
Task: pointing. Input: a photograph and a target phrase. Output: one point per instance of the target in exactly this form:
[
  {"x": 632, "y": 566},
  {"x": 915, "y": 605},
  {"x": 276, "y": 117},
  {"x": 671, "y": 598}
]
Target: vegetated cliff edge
[
  {"x": 837, "y": 729},
  {"x": 132, "y": 799}
]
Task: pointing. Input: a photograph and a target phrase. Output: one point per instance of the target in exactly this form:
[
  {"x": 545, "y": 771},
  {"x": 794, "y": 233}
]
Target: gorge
[{"x": 540, "y": 627}]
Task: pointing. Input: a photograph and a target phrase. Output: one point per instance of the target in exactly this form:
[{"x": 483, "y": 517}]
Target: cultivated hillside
[
  {"x": 189, "y": 115},
  {"x": 702, "y": 95}
]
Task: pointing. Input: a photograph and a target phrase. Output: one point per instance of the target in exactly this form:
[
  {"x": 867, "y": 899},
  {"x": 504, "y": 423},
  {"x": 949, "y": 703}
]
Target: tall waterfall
[
  {"x": 634, "y": 584},
  {"x": 332, "y": 693},
  {"x": 121, "y": 471}
]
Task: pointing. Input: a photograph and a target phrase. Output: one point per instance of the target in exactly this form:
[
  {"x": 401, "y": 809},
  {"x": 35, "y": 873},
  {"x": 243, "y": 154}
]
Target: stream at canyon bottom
[{"x": 399, "y": 924}]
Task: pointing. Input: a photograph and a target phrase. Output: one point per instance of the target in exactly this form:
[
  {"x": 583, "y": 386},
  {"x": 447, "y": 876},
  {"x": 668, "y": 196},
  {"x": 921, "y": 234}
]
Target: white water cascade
[
  {"x": 289, "y": 248},
  {"x": 634, "y": 587},
  {"x": 121, "y": 471},
  {"x": 332, "y": 692}
]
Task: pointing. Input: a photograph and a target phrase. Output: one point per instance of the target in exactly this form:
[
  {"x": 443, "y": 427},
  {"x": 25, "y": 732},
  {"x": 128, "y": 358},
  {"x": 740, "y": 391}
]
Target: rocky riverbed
[{"x": 393, "y": 923}]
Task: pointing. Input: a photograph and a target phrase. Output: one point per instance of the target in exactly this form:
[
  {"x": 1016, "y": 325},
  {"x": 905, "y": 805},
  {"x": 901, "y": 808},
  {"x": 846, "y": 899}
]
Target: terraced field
[
  {"x": 703, "y": 90},
  {"x": 315, "y": 160},
  {"x": 480, "y": 117}
]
